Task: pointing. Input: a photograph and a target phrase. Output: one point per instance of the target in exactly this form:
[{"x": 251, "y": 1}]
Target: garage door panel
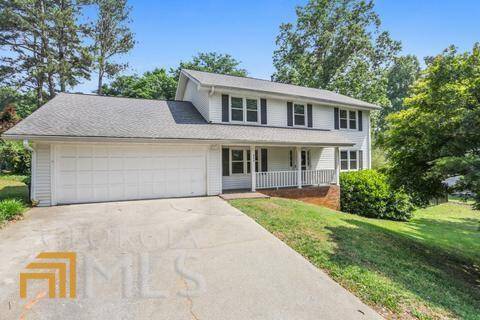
[{"x": 112, "y": 172}]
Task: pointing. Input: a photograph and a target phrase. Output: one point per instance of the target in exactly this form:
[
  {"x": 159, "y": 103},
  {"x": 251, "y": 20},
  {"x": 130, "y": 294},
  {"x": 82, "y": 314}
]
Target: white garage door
[{"x": 94, "y": 173}]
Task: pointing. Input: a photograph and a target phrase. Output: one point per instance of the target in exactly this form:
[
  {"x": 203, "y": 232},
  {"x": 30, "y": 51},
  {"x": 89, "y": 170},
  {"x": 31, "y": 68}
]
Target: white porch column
[
  {"x": 299, "y": 167},
  {"x": 252, "y": 168},
  {"x": 337, "y": 166}
]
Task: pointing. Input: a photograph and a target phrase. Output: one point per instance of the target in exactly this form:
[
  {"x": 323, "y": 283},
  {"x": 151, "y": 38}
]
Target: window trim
[
  {"x": 348, "y": 119},
  {"x": 245, "y": 160},
  {"x": 305, "y": 120},
  {"x": 244, "y": 109},
  {"x": 348, "y": 159},
  {"x": 230, "y": 164}
]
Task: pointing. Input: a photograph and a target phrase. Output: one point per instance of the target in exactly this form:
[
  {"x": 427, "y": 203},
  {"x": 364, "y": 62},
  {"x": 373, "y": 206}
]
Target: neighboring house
[{"x": 89, "y": 148}]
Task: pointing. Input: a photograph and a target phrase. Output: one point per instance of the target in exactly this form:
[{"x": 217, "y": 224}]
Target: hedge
[{"x": 368, "y": 193}]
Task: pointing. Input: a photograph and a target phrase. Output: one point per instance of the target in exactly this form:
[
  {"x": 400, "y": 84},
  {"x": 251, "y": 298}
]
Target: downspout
[
  {"x": 33, "y": 167},
  {"x": 212, "y": 91}
]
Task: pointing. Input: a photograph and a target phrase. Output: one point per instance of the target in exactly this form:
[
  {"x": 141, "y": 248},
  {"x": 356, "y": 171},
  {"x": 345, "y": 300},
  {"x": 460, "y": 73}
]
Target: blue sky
[{"x": 170, "y": 31}]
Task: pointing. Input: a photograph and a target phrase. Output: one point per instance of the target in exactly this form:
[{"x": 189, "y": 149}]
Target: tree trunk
[{"x": 100, "y": 81}]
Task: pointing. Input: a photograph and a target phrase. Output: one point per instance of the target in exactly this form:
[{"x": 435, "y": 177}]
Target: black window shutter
[
  {"x": 225, "y": 113},
  {"x": 309, "y": 115},
  {"x": 289, "y": 114},
  {"x": 263, "y": 111},
  {"x": 360, "y": 122},
  {"x": 336, "y": 118},
  {"x": 360, "y": 159},
  {"x": 225, "y": 162},
  {"x": 264, "y": 160}
]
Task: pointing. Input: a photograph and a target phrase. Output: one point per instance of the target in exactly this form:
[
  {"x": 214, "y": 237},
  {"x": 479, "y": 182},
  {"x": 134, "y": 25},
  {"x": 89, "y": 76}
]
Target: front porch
[{"x": 279, "y": 167}]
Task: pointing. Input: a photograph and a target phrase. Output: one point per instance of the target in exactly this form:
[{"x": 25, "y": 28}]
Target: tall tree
[
  {"x": 156, "y": 84},
  {"x": 336, "y": 45},
  {"x": 400, "y": 78},
  {"x": 42, "y": 44},
  {"x": 212, "y": 62},
  {"x": 112, "y": 36},
  {"x": 438, "y": 135},
  {"x": 71, "y": 56},
  {"x": 24, "y": 63}
]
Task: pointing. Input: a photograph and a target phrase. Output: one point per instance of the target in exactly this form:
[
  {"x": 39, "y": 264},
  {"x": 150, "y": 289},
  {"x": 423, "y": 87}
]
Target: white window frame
[
  {"x": 232, "y": 161},
  {"x": 244, "y": 109},
  {"x": 245, "y": 160},
  {"x": 304, "y": 114},
  {"x": 348, "y": 119},
  {"x": 348, "y": 159},
  {"x": 231, "y": 109}
]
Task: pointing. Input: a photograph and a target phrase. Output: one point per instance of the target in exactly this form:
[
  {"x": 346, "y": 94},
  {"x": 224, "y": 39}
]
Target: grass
[
  {"x": 427, "y": 268},
  {"x": 14, "y": 197}
]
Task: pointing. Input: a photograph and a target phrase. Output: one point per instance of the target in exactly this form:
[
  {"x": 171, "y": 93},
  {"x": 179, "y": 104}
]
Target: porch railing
[
  {"x": 318, "y": 177},
  {"x": 279, "y": 179}
]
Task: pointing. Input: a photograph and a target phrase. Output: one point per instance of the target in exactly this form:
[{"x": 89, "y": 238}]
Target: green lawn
[
  {"x": 13, "y": 187},
  {"x": 14, "y": 197},
  {"x": 428, "y": 268}
]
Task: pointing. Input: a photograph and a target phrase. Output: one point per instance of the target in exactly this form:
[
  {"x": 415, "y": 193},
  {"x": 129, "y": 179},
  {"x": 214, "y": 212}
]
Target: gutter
[
  {"x": 90, "y": 139},
  {"x": 33, "y": 167}
]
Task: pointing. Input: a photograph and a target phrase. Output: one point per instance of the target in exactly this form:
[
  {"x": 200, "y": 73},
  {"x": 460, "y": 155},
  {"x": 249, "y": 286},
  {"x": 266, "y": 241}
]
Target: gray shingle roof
[
  {"x": 325, "y": 96},
  {"x": 78, "y": 115}
]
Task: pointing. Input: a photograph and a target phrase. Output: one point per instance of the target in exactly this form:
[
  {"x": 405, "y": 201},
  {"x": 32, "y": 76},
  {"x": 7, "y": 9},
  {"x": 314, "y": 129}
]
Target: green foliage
[
  {"x": 156, "y": 84},
  {"x": 112, "y": 37},
  {"x": 211, "y": 62},
  {"x": 379, "y": 161},
  {"x": 45, "y": 46},
  {"x": 368, "y": 193},
  {"x": 10, "y": 208},
  {"x": 336, "y": 45},
  {"x": 469, "y": 167},
  {"x": 441, "y": 120},
  {"x": 24, "y": 103},
  {"x": 14, "y": 158},
  {"x": 400, "y": 78}
]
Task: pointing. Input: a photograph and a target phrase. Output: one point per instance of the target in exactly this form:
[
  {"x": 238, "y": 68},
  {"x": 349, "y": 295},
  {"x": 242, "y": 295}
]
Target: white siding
[
  {"x": 278, "y": 159},
  {"x": 199, "y": 98},
  {"x": 214, "y": 170},
  {"x": 322, "y": 158},
  {"x": 237, "y": 181},
  {"x": 42, "y": 175}
]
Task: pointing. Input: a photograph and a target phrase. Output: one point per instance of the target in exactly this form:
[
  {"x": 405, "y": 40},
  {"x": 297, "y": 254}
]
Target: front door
[{"x": 304, "y": 160}]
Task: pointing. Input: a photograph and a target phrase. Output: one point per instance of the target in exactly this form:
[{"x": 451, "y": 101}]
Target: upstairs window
[
  {"x": 237, "y": 109},
  {"x": 352, "y": 118},
  {"x": 298, "y": 114},
  {"x": 252, "y": 110},
  {"x": 244, "y": 109},
  {"x": 348, "y": 119}
]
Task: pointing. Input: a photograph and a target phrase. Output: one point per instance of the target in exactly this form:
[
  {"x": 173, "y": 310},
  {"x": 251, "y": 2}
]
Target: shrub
[
  {"x": 14, "y": 158},
  {"x": 9, "y": 208},
  {"x": 368, "y": 193}
]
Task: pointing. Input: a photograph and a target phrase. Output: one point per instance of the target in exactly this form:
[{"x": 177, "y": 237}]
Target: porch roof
[{"x": 92, "y": 117}]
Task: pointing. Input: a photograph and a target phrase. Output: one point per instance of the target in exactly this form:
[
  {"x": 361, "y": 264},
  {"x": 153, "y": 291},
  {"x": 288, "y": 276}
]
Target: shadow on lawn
[
  {"x": 14, "y": 192},
  {"x": 444, "y": 279}
]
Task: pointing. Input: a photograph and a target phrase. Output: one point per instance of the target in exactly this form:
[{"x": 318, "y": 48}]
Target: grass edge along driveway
[{"x": 427, "y": 268}]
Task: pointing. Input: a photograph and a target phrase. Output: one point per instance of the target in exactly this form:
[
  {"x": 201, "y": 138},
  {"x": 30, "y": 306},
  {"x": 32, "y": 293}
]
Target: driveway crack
[{"x": 189, "y": 300}]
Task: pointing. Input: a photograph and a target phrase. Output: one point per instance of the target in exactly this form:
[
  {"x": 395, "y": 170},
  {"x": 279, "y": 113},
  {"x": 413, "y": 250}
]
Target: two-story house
[{"x": 88, "y": 148}]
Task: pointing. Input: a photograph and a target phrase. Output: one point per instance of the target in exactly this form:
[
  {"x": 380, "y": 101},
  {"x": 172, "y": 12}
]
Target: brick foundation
[{"x": 328, "y": 196}]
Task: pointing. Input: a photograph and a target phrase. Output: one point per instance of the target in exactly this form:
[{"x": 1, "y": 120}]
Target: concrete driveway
[{"x": 192, "y": 258}]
